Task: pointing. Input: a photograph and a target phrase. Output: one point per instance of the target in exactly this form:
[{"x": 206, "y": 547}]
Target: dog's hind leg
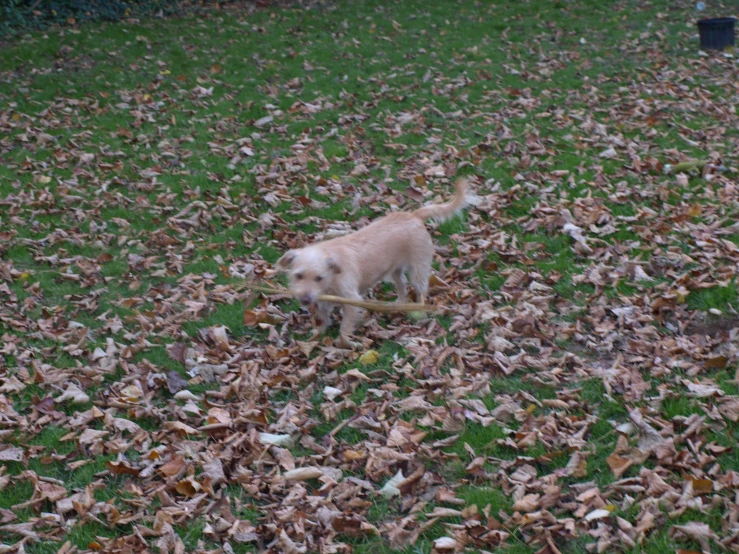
[
  {"x": 400, "y": 283},
  {"x": 419, "y": 276}
]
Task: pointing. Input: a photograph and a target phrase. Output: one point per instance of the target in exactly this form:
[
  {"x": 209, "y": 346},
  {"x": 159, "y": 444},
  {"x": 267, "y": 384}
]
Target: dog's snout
[{"x": 305, "y": 300}]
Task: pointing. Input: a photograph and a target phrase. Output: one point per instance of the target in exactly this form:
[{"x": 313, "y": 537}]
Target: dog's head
[{"x": 310, "y": 272}]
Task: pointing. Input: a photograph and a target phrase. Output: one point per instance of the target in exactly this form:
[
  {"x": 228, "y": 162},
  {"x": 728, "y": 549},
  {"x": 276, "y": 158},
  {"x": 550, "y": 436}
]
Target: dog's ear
[
  {"x": 333, "y": 265},
  {"x": 286, "y": 260}
]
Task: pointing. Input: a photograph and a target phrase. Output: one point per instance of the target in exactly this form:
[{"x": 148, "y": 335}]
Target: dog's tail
[{"x": 440, "y": 212}]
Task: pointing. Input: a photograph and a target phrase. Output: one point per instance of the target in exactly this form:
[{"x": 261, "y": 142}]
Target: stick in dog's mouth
[{"x": 372, "y": 305}]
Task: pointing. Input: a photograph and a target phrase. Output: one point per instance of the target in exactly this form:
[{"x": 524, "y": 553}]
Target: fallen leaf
[
  {"x": 597, "y": 514},
  {"x": 11, "y": 454},
  {"x": 369, "y": 357},
  {"x": 175, "y": 382},
  {"x": 618, "y": 464},
  {"x": 270, "y": 439},
  {"x": 303, "y": 474},
  {"x": 390, "y": 488}
]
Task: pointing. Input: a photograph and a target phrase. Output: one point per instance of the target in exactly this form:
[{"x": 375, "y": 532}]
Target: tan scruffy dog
[{"x": 351, "y": 265}]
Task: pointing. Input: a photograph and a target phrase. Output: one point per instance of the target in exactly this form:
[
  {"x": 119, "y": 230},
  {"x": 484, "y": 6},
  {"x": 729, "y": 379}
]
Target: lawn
[{"x": 578, "y": 391}]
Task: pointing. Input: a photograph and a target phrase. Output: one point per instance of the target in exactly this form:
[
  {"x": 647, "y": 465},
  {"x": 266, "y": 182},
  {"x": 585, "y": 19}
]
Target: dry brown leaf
[
  {"x": 74, "y": 395},
  {"x": 618, "y": 464}
]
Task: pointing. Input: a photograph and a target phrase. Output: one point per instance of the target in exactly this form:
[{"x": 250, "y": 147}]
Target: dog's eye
[
  {"x": 319, "y": 279},
  {"x": 298, "y": 276}
]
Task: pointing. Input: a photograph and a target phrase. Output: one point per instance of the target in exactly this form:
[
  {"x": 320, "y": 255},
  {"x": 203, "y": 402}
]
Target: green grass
[
  {"x": 718, "y": 298},
  {"x": 183, "y": 184}
]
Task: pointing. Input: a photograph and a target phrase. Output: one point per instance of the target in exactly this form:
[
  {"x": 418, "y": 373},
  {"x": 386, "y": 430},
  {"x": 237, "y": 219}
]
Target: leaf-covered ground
[{"x": 579, "y": 393}]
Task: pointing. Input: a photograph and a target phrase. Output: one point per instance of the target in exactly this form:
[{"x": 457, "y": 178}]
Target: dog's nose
[{"x": 305, "y": 300}]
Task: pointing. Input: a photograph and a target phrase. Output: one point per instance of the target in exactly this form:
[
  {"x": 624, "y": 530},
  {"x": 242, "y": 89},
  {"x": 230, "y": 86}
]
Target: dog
[{"x": 350, "y": 265}]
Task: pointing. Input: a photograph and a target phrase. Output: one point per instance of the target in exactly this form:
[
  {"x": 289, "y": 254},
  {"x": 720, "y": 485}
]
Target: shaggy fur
[{"x": 351, "y": 265}]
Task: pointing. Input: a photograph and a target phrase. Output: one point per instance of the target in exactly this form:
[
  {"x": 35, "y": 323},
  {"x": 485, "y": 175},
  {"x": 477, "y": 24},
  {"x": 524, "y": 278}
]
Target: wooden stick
[{"x": 372, "y": 305}]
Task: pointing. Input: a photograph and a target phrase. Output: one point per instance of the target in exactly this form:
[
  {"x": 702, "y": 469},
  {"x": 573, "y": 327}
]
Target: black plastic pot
[{"x": 716, "y": 33}]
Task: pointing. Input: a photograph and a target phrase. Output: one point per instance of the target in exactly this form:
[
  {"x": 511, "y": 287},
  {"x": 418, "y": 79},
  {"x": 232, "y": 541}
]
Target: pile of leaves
[{"x": 578, "y": 394}]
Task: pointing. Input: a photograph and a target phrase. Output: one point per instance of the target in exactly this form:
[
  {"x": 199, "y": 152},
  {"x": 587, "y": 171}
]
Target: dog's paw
[{"x": 346, "y": 343}]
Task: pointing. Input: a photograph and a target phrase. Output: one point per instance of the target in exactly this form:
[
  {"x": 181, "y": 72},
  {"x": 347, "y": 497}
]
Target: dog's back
[{"x": 396, "y": 242}]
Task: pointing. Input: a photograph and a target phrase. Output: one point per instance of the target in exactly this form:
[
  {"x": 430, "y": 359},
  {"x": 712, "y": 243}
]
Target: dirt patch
[{"x": 712, "y": 325}]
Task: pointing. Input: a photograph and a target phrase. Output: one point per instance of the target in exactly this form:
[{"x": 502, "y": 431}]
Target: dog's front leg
[
  {"x": 350, "y": 316},
  {"x": 322, "y": 318}
]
